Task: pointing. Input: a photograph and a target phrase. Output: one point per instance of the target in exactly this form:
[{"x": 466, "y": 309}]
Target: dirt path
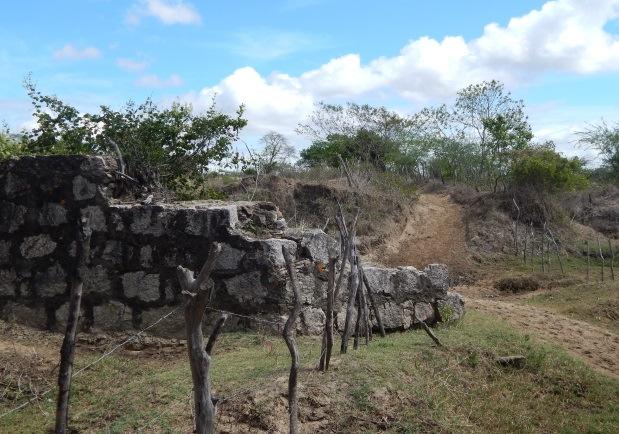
[
  {"x": 599, "y": 348},
  {"x": 434, "y": 232}
]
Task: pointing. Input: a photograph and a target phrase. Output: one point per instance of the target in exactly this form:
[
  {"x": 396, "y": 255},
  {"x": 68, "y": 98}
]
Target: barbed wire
[{"x": 88, "y": 366}]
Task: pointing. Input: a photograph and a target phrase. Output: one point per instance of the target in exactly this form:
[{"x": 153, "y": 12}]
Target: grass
[
  {"x": 398, "y": 384},
  {"x": 572, "y": 294}
]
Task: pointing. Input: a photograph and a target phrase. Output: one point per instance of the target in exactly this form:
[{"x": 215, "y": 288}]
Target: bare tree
[{"x": 197, "y": 295}]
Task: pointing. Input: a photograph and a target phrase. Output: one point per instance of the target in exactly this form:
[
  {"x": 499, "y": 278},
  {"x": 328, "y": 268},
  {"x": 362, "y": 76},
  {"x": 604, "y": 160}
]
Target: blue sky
[{"x": 281, "y": 57}]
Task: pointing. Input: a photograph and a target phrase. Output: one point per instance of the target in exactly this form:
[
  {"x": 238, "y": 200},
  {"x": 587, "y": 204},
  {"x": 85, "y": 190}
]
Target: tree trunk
[
  {"x": 67, "y": 351},
  {"x": 196, "y": 299},
  {"x": 293, "y": 398}
]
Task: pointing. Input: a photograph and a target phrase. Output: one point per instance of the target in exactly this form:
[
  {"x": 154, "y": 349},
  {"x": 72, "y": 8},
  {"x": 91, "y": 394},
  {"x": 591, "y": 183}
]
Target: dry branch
[
  {"x": 293, "y": 398},
  {"x": 325, "y": 354},
  {"x": 431, "y": 333}
]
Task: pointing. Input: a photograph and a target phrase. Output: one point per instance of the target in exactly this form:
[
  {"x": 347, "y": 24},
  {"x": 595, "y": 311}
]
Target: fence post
[
  {"x": 293, "y": 398},
  {"x": 612, "y": 260},
  {"x": 67, "y": 351},
  {"x": 196, "y": 297},
  {"x": 601, "y": 256},
  {"x": 588, "y": 260}
]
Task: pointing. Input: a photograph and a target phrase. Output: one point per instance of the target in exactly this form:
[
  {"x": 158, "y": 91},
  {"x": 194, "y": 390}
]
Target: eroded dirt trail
[
  {"x": 597, "y": 347},
  {"x": 435, "y": 232}
]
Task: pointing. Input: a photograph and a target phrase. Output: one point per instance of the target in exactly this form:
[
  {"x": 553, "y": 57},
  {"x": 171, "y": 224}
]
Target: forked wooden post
[
  {"x": 67, "y": 351},
  {"x": 196, "y": 295},
  {"x": 288, "y": 334}
]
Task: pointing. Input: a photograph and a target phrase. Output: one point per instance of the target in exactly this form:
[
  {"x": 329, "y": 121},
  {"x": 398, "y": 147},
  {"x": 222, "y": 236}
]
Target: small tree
[
  {"x": 605, "y": 140},
  {"x": 276, "y": 152}
]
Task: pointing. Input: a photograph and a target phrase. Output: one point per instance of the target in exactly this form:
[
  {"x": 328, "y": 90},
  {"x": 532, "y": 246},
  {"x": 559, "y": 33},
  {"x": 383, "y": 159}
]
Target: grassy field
[{"x": 402, "y": 383}]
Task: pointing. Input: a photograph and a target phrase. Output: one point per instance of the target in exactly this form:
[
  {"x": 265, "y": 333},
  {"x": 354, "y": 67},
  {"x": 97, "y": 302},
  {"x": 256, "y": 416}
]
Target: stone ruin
[{"x": 130, "y": 279}]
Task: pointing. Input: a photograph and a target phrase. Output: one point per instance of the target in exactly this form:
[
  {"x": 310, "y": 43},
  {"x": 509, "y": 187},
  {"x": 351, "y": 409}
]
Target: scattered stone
[
  {"x": 37, "y": 246},
  {"x": 517, "y": 361}
]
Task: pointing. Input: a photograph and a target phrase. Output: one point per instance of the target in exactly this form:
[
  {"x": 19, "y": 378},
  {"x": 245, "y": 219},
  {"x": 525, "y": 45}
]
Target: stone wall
[{"x": 130, "y": 279}]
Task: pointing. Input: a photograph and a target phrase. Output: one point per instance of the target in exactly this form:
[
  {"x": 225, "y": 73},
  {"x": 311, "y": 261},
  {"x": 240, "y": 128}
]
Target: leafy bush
[
  {"x": 158, "y": 144},
  {"x": 544, "y": 169}
]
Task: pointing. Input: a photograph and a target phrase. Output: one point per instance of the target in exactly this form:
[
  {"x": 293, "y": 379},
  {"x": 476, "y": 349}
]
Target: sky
[{"x": 280, "y": 57}]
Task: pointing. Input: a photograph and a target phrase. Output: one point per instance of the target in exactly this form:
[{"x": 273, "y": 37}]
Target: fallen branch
[{"x": 431, "y": 333}]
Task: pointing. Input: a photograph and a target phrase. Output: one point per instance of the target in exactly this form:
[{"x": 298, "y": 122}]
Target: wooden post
[
  {"x": 516, "y": 227},
  {"x": 325, "y": 356},
  {"x": 524, "y": 250},
  {"x": 612, "y": 260},
  {"x": 196, "y": 295},
  {"x": 601, "y": 256},
  {"x": 588, "y": 260},
  {"x": 293, "y": 398},
  {"x": 558, "y": 250},
  {"x": 542, "y": 253},
  {"x": 67, "y": 351},
  {"x": 532, "y": 247},
  {"x": 377, "y": 315},
  {"x": 352, "y": 295}
]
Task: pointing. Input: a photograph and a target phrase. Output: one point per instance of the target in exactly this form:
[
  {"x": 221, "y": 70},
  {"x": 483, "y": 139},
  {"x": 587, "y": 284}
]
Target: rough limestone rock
[
  {"x": 141, "y": 285},
  {"x": 451, "y": 308},
  {"x": 37, "y": 246},
  {"x": 5, "y": 249},
  {"x": 51, "y": 282},
  {"x": 8, "y": 283},
  {"x": 112, "y": 316},
  {"x": 52, "y": 214}
]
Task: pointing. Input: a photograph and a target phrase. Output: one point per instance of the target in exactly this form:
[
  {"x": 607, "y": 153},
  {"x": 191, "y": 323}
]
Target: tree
[
  {"x": 488, "y": 117},
  {"x": 157, "y": 144},
  {"x": 276, "y": 152},
  {"x": 10, "y": 146},
  {"x": 605, "y": 140}
]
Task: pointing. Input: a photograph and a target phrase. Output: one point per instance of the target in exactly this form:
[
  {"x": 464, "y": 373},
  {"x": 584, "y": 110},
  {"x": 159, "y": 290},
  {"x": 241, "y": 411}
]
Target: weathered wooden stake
[
  {"x": 516, "y": 227},
  {"x": 293, "y": 398},
  {"x": 588, "y": 260},
  {"x": 197, "y": 294},
  {"x": 377, "y": 315},
  {"x": 601, "y": 257},
  {"x": 67, "y": 351},
  {"x": 325, "y": 356},
  {"x": 612, "y": 260}
]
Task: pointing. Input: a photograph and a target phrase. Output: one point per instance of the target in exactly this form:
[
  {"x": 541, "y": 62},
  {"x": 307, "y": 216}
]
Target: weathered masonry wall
[{"x": 130, "y": 279}]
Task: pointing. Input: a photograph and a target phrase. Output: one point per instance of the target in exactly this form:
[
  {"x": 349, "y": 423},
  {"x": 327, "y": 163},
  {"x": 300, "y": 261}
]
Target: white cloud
[
  {"x": 131, "y": 65},
  {"x": 154, "y": 80},
  {"x": 266, "y": 44},
  {"x": 167, "y": 11},
  {"x": 70, "y": 52},
  {"x": 563, "y": 36}
]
